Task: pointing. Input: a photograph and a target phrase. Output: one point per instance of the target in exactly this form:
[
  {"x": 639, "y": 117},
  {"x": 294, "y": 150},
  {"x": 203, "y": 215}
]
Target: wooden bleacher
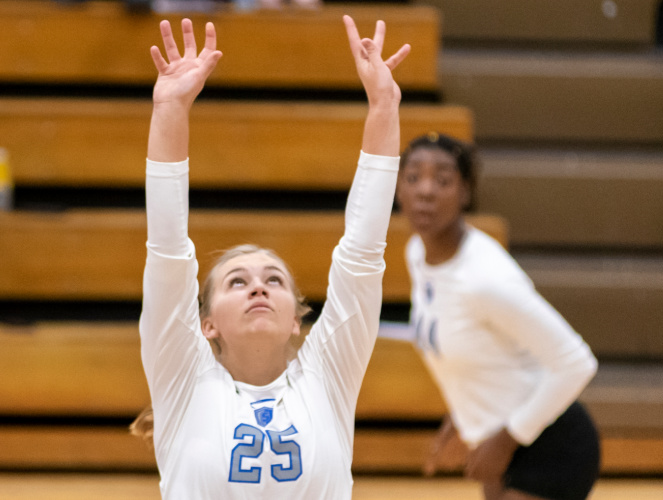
[
  {"x": 103, "y": 378},
  {"x": 234, "y": 144},
  {"x": 288, "y": 48},
  {"x": 67, "y": 389},
  {"x": 604, "y": 298},
  {"x": 606, "y": 201},
  {"x": 97, "y": 254},
  {"x": 70, "y": 387},
  {"x": 597, "y": 98},
  {"x": 94, "y": 370},
  {"x": 567, "y": 102},
  {"x": 563, "y": 21},
  {"x": 610, "y": 198}
]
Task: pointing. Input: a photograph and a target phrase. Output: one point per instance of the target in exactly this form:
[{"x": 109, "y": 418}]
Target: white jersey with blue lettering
[
  {"x": 501, "y": 354},
  {"x": 218, "y": 438}
]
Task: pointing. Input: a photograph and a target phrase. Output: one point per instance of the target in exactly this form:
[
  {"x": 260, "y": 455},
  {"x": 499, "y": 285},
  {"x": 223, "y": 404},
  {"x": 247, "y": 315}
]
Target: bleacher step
[{"x": 558, "y": 97}]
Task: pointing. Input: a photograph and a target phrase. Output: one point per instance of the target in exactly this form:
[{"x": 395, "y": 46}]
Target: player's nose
[{"x": 258, "y": 287}]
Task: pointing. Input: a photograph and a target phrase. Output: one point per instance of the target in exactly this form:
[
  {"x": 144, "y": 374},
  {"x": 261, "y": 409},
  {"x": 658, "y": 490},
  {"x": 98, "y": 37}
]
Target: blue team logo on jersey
[
  {"x": 263, "y": 411},
  {"x": 263, "y": 416},
  {"x": 429, "y": 292}
]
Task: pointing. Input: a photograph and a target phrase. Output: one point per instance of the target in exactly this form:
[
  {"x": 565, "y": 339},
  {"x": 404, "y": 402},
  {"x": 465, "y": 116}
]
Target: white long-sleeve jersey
[
  {"x": 501, "y": 354},
  {"x": 218, "y": 438}
]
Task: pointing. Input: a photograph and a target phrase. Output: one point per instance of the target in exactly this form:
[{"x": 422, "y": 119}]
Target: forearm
[
  {"x": 565, "y": 361},
  {"x": 556, "y": 391},
  {"x": 169, "y": 133},
  {"x": 382, "y": 129},
  {"x": 167, "y": 204},
  {"x": 371, "y": 196},
  {"x": 167, "y": 182},
  {"x": 368, "y": 209}
]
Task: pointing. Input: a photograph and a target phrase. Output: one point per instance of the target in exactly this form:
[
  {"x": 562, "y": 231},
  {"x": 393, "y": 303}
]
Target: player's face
[
  {"x": 431, "y": 191},
  {"x": 253, "y": 302}
]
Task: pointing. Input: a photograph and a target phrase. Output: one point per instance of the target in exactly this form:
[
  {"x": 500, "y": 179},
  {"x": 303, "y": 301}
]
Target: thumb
[
  {"x": 371, "y": 50},
  {"x": 209, "y": 63},
  {"x": 429, "y": 467},
  {"x": 430, "y": 462}
]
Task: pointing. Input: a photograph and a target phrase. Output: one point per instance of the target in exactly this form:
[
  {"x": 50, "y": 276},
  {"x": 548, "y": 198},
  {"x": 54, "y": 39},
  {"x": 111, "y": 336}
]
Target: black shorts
[{"x": 563, "y": 463}]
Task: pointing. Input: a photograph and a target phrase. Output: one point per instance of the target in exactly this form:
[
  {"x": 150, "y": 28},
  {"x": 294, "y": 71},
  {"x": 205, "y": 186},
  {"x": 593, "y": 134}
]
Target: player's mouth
[{"x": 259, "y": 306}]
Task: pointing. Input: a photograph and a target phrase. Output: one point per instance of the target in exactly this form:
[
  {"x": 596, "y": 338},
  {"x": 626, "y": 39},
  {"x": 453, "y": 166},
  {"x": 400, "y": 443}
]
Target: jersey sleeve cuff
[
  {"x": 378, "y": 162},
  {"x": 166, "y": 169},
  {"x": 525, "y": 437}
]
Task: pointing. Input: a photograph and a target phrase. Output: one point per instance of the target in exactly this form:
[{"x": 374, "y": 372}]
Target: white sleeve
[
  {"x": 172, "y": 347},
  {"x": 167, "y": 204},
  {"x": 342, "y": 340},
  {"x": 368, "y": 211},
  {"x": 517, "y": 311}
]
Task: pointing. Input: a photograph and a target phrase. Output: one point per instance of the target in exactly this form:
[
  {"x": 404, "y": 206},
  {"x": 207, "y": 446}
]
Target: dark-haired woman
[{"x": 508, "y": 365}]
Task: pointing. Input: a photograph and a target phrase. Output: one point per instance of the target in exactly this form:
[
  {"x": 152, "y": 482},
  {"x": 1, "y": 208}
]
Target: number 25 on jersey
[{"x": 279, "y": 443}]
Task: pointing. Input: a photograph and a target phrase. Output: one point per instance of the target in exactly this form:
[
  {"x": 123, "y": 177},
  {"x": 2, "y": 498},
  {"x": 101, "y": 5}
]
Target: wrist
[
  {"x": 171, "y": 108},
  {"x": 507, "y": 440},
  {"x": 169, "y": 133},
  {"x": 383, "y": 105}
]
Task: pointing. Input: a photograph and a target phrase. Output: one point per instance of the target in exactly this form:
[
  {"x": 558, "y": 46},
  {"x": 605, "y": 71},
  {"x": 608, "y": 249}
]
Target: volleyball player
[
  {"x": 508, "y": 365},
  {"x": 245, "y": 422}
]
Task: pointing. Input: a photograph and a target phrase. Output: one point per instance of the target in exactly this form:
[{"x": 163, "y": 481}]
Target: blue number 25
[{"x": 254, "y": 449}]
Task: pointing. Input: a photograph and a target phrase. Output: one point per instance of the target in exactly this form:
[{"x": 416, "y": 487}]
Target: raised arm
[
  {"x": 180, "y": 80},
  {"x": 371, "y": 197},
  {"x": 341, "y": 341},
  {"x": 170, "y": 349},
  {"x": 381, "y": 129}
]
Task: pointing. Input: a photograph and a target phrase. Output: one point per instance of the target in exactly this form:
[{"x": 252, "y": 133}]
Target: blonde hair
[
  {"x": 143, "y": 426},
  {"x": 205, "y": 296}
]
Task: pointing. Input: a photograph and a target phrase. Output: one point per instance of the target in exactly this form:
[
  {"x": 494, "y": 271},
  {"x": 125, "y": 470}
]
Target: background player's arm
[
  {"x": 519, "y": 313},
  {"x": 446, "y": 450}
]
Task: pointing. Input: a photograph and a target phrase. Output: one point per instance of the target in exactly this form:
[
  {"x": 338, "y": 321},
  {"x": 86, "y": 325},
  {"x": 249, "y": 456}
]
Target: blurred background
[{"x": 564, "y": 100}]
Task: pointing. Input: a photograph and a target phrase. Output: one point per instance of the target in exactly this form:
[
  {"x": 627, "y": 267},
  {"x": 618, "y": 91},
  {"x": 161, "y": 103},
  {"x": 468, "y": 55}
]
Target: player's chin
[{"x": 262, "y": 325}]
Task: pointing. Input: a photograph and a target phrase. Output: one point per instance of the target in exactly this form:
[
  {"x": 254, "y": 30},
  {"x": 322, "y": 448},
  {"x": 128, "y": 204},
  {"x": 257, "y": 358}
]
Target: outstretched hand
[
  {"x": 374, "y": 72},
  {"x": 182, "y": 77}
]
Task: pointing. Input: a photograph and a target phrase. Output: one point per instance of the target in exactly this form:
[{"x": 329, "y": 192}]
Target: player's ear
[
  {"x": 209, "y": 330},
  {"x": 297, "y": 326}
]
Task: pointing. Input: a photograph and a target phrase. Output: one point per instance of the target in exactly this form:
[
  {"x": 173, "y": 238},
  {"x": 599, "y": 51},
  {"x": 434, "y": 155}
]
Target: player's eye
[
  {"x": 236, "y": 282},
  {"x": 444, "y": 180},
  {"x": 275, "y": 280},
  {"x": 411, "y": 178}
]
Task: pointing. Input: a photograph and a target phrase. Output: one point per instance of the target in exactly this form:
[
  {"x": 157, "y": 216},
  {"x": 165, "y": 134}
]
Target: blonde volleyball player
[{"x": 247, "y": 422}]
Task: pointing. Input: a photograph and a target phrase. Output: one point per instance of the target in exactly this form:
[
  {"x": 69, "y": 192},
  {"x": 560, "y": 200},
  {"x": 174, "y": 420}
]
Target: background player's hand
[
  {"x": 182, "y": 77},
  {"x": 447, "y": 451},
  {"x": 488, "y": 462},
  {"x": 374, "y": 72}
]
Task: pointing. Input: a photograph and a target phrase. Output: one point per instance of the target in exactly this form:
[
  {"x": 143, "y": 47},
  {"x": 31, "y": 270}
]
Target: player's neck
[
  {"x": 257, "y": 367},
  {"x": 442, "y": 246}
]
